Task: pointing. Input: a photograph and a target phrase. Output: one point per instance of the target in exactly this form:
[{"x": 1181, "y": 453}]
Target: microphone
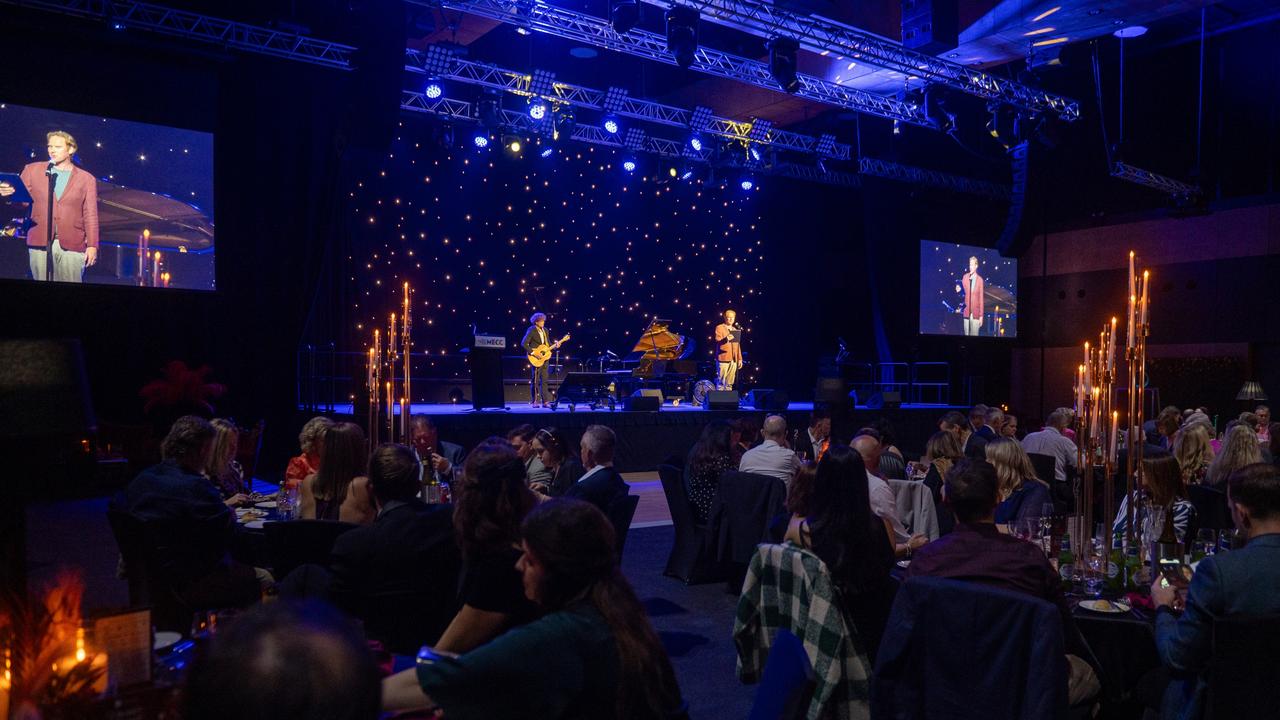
[{"x": 49, "y": 170}]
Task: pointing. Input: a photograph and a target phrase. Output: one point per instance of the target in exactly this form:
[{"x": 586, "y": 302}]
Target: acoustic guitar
[{"x": 541, "y": 354}]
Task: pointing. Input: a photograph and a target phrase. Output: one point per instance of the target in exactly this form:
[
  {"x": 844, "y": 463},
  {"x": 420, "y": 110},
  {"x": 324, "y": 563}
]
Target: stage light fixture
[
  {"x": 611, "y": 125},
  {"x": 537, "y": 108},
  {"x": 682, "y": 34},
  {"x": 747, "y": 183},
  {"x": 695, "y": 142},
  {"x": 756, "y": 155},
  {"x": 624, "y": 15},
  {"x": 686, "y": 174},
  {"x": 548, "y": 151},
  {"x": 671, "y": 171},
  {"x": 481, "y": 139},
  {"x": 782, "y": 62},
  {"x": 434, "y": 89},
  {"x": 629, "y": 165}
]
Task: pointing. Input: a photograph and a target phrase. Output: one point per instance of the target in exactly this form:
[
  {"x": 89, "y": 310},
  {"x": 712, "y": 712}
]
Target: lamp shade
[{"x": 1251, "y": 390}]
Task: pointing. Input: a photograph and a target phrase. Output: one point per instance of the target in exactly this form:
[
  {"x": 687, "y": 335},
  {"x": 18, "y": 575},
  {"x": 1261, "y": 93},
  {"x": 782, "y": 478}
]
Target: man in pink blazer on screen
[
  {"x": 75, "y": 212},
  {"x": 973, "y": 287}
]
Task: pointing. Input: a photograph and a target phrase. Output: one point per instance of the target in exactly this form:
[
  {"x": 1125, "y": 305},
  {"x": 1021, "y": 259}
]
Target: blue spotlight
[
  {"x": 548, "y": 152},
  {"x": 481, "y": 140},
  {"x": 537, "y": 109},
  {"x": 695, "y": 142},
  {"x": 629, "y": 165},
  {"x": 747, "y": 184},
  {"x": 755, "y": 153},
  {"x": 688, "y": 173},
  {"x": 611, "y": 125},
  {"x": 434, "y": 90}
]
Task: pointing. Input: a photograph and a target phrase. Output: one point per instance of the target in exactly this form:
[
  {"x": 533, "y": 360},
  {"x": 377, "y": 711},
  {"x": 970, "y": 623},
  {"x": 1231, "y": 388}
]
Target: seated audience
[
  {"x": 1192, "y": 448},
  {"x": 893, "y": 465},
  {"x": 409, "y": 547},
  {"x": 883, "y": 502},
  {"x": 1264, "y": 425},
  {"x": 1241, "y": 582},
  {"x": 1008, "y": 427},
  {"x": 831, "y": 515},
  {"x": 971, "y": 444},
  {"x": 562, "y": 467},
  {"x": 812, "y": 442},
  {"x": 438, "y": 457},
  {"x": 710, "y": 457},
  {"x": 978, "y": 422},
  {"x": 594, "y": 653},
  {"x": 1240, "y": 448},
  {"x": 978, "y": 552},
  {"x": 521, "y": 438},
  {"x": 284, "y": 661},
  {"x": 1162, "y": 486},
  {"x": 1022, "y": 494},
  {"x": 771, "y": 457},
  {"x": 600, "y": 485},
  {"x": 193, "y": 532},
  {"x": 340, "y": 490},
  {"x": 223, "y": 470},
  {"x": 311, "y": 441},
  {"x": 1052, "y": 442},
  {"x": 491, "y": 499},
  {"x": 746, "y": 435},
  {"x": 1167, "y": 424},
  {"x": 941, "y": 453}
]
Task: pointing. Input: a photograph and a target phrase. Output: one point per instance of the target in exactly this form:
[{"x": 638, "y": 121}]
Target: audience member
[
  {"x": 600, "y": 485},
  {"x": 746, "y": 435},
  {"x": 1008, "y": 428},
  {"x": 1162, "y": 487},
  {"x": 284, "y": 661},
  {"x": 971, "y": 444},
  {"x": 771, "y": 457},
  {"x": 710, "y": 457},
  {"x": 311, "y": 442},
  {"x": 223, "y": 470},
  {"x": 563, "y": 469},
  {"x": 1167, "y": 424},
  {"x": 1241, "y": 582},
  {"x": 978, "y": 552},
  {"x": 978, "y": 422},
  {"x": 941, "y": 453},
  {"x": 813, "y": 442},
  {"x": 438, "y": 457},
  {"x": 593, "y": 655},
  {"x": 1194, "y": 453},
  {"x": 491, "y": 499},
  {"x": 994, "y": 420},
  {"x": 1240, "y": 448},
  {"x": 340, "y": 490},
  {"x": 408, "y": 549},
  {"x": 1050, "y": 441},
  {"x": 831, "y": 515},
  {"x": 193, "y": 533},
  {"x": 521, "y": 438},
  {"x": 1022, "y": 494},
  {"x": 883, "y": 503},
  {"x": 1264, "y": 425},
  {"x": 893, "y": 466}
]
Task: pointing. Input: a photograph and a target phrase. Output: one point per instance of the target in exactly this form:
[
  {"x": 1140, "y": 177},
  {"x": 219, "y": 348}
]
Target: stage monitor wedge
[
  {"x": 722, "y": 400},
  {"x": 764, "y": 399},
  {"x": 644, "y": 400}
]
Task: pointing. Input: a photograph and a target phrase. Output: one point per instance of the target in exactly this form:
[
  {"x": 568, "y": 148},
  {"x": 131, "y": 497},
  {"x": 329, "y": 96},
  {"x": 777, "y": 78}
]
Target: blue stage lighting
[
  {"x": 695, "y": 142},
  {"x": 686, "y": 174},
  {"x": 629, "y": 165},
  {"x": 611, "y": 125},
  {"x": 537, "y": 110},
  {"x": 747, "y": 184},
  {"x": 755, "y": 153},
  {"x": 481, "y": 140},
  {"x": 434, "y": 90},
  {"x": 548, "y": 152}
]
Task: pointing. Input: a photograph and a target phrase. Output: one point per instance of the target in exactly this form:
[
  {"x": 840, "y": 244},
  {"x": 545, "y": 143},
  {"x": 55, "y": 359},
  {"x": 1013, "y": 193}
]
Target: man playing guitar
[{"x": 538, "y": 348}]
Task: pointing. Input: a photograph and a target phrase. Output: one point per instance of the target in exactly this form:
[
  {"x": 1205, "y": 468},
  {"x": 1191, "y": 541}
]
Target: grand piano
[{"x": 660, "y": 359}]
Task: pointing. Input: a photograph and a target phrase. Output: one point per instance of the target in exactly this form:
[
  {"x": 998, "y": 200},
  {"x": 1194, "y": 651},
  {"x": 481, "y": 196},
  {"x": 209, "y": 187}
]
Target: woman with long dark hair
[
  {"x": 491, "y": 498},
  {"x": 593, "y": 655},
  {"x": 839, "y": 527},
  {"x": 340, "y": 489},
  {"x": 709, "y": 458},
  {"x": 551, "y": 447}
]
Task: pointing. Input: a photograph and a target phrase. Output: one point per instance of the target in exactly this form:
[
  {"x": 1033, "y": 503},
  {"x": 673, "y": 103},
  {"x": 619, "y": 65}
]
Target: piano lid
[
  {"x": 657, "y": 342},
  {"x": 123, "y": 213}
]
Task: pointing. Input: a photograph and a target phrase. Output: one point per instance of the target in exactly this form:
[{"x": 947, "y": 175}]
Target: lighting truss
[
  {"x": 931, "y": 178},
  {"x": 1153, "y": 180},
  {"x": 596, "y": 31},
  {"x": 818, "y": 34},
  {"x": 615, "y": 100},
  {"x": 204, "y": 28},
  {"x": 461, "y": 111}
]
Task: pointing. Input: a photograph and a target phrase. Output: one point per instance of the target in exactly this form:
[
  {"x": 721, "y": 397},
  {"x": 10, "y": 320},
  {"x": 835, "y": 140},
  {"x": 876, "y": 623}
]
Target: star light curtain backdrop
[{"x": 486, "y": 237}]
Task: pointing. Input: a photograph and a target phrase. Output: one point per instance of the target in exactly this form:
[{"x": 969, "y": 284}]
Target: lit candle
[
  {"x": 1080, "y": 394},
  {"x": 1111, "y": 347},
  {"x": 1115, "y": 433},
  {"x": 404, "y": 417},
  {"x": 369, "y": 372},
  {"x": 1131, "y": 274},
  {"x": 1093, "y": 422},
  {"x": 1086, "y": 352},
  {"x": 392, "y": 335},
  {"x": 1132, "y": 299},
  {"x": 390, "y": 406},
  {"x": 1146, "y": 280},
  {"x": 155, "y": 268},
  {"x": 6, "y": 684}
]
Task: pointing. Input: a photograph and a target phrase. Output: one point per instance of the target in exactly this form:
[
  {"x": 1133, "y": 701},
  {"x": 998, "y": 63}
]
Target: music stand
[{"x": 20, "y": 194}]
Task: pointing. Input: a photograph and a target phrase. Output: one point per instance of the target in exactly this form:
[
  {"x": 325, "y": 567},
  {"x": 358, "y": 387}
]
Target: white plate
[
  {"x": 903, "y": 564},
  {"x": 255, "y": 524},
  {"x": 166, "y": 639},
  {"x": 241, "y": 511},
  {"x": 1106, "y": 606},
  {"x": 265, "y": 504}
]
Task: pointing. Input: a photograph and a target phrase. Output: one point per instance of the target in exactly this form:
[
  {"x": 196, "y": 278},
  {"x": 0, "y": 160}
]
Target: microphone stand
[{"x": 48, "y": 233}]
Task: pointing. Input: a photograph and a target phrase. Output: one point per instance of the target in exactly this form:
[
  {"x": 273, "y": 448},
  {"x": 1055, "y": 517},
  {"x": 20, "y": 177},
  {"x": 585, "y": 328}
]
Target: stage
[{"x": 647, "y": 439}]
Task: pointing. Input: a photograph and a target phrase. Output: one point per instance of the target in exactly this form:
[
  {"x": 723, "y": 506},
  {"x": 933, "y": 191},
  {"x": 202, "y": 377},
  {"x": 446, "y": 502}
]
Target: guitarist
[{"x": 535, "y": 337}]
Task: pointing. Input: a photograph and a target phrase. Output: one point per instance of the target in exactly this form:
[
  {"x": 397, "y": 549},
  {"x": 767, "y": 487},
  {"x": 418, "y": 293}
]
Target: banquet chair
[
  {"x": 1212, "y": 511},
  {"x": 689, "y": 560},
  {"x": 1243, "y": 667},
  {"x": 787, "y": 684},
  {"x": 297, "y": 542},
  {"x": 621, "y": 512},
  {"x": 147, "y": 584}
]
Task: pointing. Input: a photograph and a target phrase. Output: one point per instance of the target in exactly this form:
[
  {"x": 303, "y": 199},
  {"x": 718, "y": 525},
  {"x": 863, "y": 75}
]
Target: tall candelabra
[{"x": 388, "y": 376}]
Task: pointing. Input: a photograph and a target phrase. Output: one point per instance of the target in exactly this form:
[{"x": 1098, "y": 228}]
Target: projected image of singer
[
  {"x": 75, "y": 212},
  {"x": 729, "y": 342},
  {"x": 973, "y": 287}
]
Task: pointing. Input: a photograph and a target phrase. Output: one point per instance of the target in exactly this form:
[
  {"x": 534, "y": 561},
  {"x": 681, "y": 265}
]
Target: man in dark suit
[
  {"x": 409, "y": 549},
  {"x": 600, "y": 485},
  {"x": 1241, "y": 582},
  {"x": 438, "y": 457},
  {"x": 978, "y": 423},
  {"x": 811, "y": 443},
  {"x": 192, "y": 531}
]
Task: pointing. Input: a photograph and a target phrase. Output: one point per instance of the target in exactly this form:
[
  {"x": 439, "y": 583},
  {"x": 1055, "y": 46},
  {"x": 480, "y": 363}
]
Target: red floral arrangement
[{"x": 182, "y": 388}]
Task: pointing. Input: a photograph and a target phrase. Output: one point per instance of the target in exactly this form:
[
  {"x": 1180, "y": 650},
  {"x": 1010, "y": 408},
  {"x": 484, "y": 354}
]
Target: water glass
[
  {"x": 287, "y": 502},
  {"x": 1094, "y": 574}
]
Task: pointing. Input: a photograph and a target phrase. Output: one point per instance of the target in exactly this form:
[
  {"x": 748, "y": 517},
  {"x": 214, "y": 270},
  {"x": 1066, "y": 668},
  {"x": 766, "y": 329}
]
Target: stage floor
[{"x": 524, "y": 408}]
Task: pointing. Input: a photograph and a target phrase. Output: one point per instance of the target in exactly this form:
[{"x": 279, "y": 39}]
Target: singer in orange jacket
[
  {"x": 973, "y": 287},
  {"x": 75, "y": 212},
  {"x": 729, "y": 342}
]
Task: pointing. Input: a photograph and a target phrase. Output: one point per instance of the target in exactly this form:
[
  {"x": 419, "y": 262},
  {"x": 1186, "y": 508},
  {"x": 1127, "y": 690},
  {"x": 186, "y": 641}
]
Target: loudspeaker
[
  {"x": 829, "y": 390},
  {"x": 721, "y": 400},
  {"x": 644, "y": 400},
  {"x": 931, "y": 26},
  {"x": 762, "y": 399},
  {"x": 887, "y": 399}
]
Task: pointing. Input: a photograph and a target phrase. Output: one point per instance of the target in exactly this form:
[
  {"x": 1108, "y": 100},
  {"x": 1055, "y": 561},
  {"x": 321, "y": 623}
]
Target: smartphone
[{"x": 1173, "y": 572}]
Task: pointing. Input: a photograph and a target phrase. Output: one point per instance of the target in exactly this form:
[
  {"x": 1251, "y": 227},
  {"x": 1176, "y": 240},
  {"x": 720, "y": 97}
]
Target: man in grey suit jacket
[{"x": 1241, "y": 582}]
